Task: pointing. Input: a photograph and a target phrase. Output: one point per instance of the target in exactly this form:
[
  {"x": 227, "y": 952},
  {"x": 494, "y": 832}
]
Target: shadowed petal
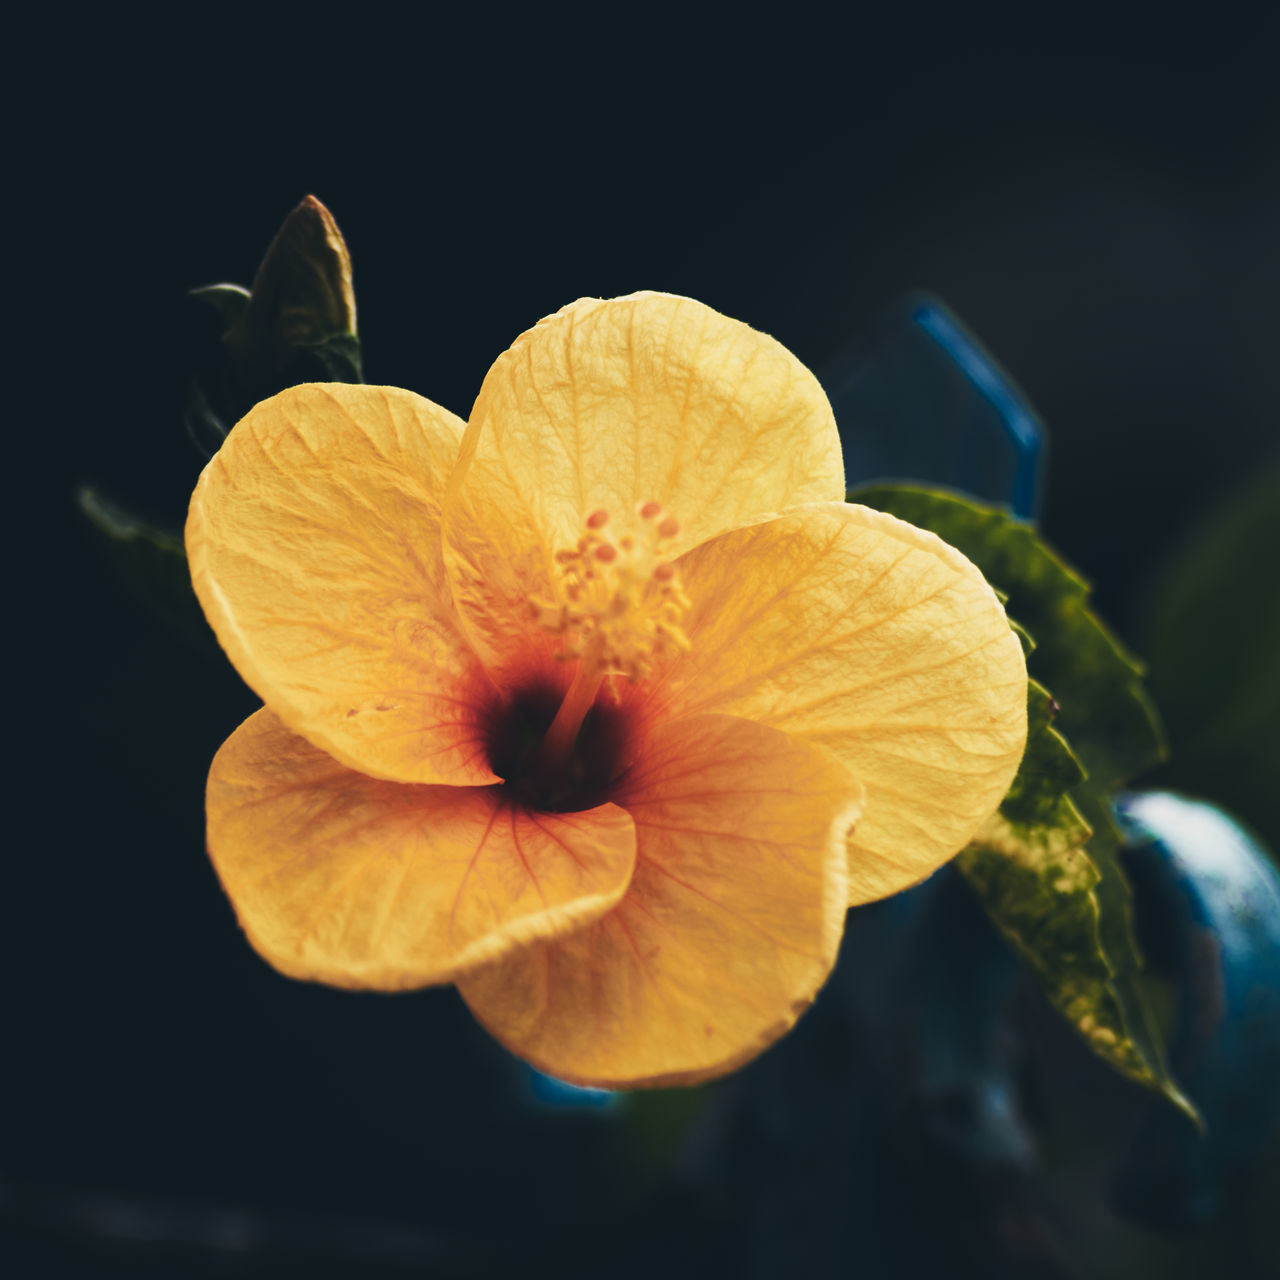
[
  {"x": 730, "y": 925},
  {"x": 343, "y": 879},
  {"x": 612, "y": 404},
  {"x": 855, "y": 630},
  {"x": 314, "y": 542}
]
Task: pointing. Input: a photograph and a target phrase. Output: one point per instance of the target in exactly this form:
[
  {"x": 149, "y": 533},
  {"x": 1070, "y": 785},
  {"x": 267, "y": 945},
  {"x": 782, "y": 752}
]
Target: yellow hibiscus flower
[{"x": 602, "y": 705}]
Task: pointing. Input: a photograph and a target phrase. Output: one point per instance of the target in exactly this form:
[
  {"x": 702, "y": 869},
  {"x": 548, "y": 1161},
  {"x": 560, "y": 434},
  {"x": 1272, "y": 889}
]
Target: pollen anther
[{"x": 620, "y": 605}]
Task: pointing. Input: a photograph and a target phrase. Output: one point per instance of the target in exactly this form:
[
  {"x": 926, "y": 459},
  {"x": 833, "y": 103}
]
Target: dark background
[{"x": 1104, "y": 219}]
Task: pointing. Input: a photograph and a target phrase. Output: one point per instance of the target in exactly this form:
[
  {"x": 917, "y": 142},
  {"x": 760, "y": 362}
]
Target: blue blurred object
[
  {"x": 1207, "y": 899},
  {"x": 550, "y": 1092},
  {"x": 917, "y": 398}
]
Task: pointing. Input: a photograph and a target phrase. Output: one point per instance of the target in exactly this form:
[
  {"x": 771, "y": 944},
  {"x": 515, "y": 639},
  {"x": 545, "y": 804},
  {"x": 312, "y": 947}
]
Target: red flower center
[{"x": 587, "y": 774}]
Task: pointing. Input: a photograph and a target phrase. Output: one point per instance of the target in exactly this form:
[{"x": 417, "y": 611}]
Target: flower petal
[
  {"x": 314, "y": 542},
  {"x": 612, "y": 404},
  {"x": 730, "y": 925},
  {"x": 344, "y": 879},
  {"x": 855, "y": 630}
]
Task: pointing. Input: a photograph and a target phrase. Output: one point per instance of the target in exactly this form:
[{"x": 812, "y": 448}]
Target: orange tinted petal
[
  {"x": 314, "y": 542},
  {"x": 855, "y": 630},
  {"x": 343, "y": 879},
  {"x": 607, "y": 405},
  {"x": 730, "y": 925}
]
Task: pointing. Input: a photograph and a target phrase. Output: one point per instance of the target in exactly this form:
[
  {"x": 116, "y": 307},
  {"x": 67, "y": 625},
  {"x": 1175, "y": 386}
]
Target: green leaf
[
  {"x": 299, "y": 323},
  {"x": 1025, "y": 638},
  {"x": 1046, "y": 865},
  {"x": 152, "y": 563},
  {"x": 1063, "y": 905},
  {"x": 1038, "y": 797}
]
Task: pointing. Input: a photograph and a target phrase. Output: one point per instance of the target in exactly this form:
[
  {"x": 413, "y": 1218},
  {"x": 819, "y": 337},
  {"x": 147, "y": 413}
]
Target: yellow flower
[{"x": 603, "y": 705}]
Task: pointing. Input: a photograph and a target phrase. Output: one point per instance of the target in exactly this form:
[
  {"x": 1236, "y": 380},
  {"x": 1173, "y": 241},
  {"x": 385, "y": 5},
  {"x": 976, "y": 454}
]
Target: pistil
[
  {"x": 555, "y": 749},
  {"x": 618, "y": 606}
]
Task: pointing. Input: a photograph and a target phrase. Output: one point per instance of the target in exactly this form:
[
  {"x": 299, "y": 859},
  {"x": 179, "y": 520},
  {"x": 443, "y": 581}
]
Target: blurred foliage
[
  {"x": 1212, "y": 637},
  {"x": 151, "y": 562}
]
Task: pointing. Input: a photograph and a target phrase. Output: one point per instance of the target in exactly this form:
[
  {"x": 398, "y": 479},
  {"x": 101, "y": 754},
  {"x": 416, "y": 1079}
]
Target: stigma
[{"x": 619, "y": 601}]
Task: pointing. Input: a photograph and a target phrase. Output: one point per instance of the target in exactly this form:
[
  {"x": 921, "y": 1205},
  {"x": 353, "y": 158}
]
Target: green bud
[{"x": 299, "y": 324}]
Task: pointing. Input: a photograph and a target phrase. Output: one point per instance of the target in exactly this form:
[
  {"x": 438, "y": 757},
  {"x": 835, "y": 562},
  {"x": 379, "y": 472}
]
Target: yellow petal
[
  {"x": 314, "y": 542},
  {"x": 343, "y": 879},
  {"x": 608, "y": 405},
  {"x": 729, "y": 927},
  {"x": 874, "y": 638}
]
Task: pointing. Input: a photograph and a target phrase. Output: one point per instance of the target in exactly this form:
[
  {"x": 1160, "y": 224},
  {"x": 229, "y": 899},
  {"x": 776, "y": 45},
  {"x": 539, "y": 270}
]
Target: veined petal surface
[
  {"x": 608, "y": 405},
  {"x": 731, "y": 923},
  {"x": 344, "y": 879},
  {"x": 854, "y": 630},
  {"x": 314, "y": 543}
]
